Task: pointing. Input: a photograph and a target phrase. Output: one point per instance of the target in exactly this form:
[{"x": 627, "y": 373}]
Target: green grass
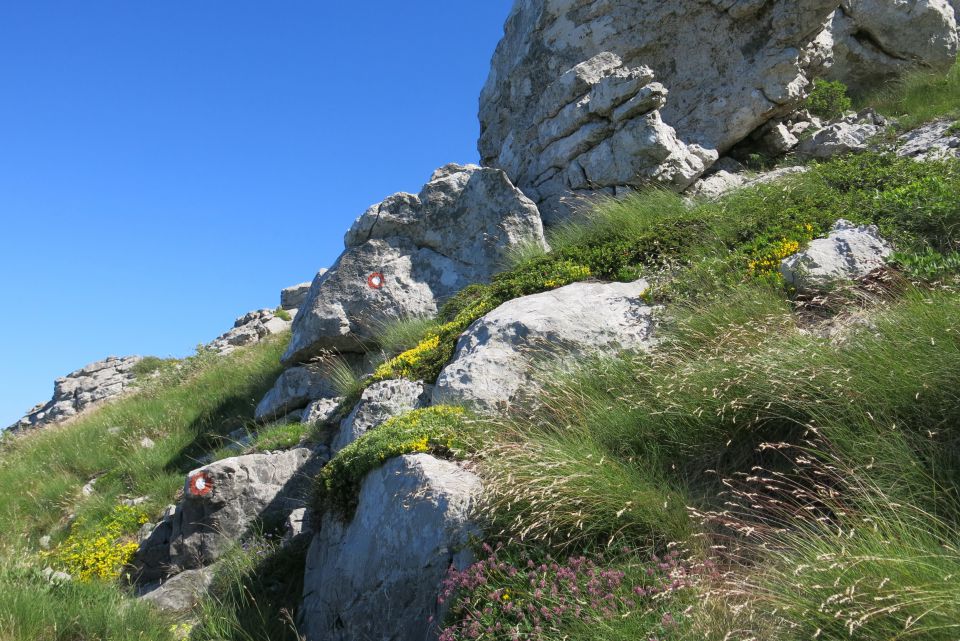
[
  {"x": 279, "y": 437},
  {"x": 255, "y": 593},
  {"x": 919, "y": 98},
  {"x": 34, "y": 609},
  {"x": 400, "y": 334},
  {"x": 186, "y": 412}
]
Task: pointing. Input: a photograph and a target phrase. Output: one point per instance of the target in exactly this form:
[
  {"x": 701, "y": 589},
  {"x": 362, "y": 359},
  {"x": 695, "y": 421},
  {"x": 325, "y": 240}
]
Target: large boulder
[
  {"x": 77, "y": 391},
  {"x": 495, "y": 358},
  {"x": 570, "y": 104},
  {"x": 379, "y": 402},
  {"x": 291, "y": 298},
  {"x": 221, "y": 501},
  {"x": 406, "y": 255},
  {"x": 379, "y": 576},
  {"x": 849, "y": 252},
  {"x": 876, "y": 40},
  {"x": 249, "y": 329},
  {"x": 295, "y": 389}
]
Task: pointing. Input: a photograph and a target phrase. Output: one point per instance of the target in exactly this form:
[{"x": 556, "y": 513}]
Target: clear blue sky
[{"x": 168, "y": 166}]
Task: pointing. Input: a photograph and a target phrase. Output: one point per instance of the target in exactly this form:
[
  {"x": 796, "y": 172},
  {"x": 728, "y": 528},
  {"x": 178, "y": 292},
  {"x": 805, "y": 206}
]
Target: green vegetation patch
[
  {"x": 100, "y": 550},
  {"x": 440, "y": 430},
  {"x": 828, "y": 99},
  {"x": 279, "y": 437},
  {"x": 919, "y": 98}
]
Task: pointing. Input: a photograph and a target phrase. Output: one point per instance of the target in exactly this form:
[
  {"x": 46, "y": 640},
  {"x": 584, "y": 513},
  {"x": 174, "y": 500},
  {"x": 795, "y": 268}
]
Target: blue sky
[{"x": 168, "y": 166}]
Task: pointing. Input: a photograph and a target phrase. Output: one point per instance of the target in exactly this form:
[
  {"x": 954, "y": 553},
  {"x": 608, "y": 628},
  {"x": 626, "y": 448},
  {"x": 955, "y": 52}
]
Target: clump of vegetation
[
  {"x": 282, "y": 436},
  {"x": 919, "y": 97},
  {"x": 440, "y": 430},
  {"x": 928, "y": 265},
  {"x": 282, "y": 314},
  {"x": 510, "y": 595},
  {"x": 100, "y": 550},
  {"x": 148, "y": 366},
  {"x": 828, "y": 99},
  {"x": 401, "y": 334},
  {"x": 256, "y": 591}
]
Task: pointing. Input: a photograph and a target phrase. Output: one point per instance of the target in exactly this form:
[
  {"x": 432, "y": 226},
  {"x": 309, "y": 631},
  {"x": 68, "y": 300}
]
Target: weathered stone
[
  {"x": 181, "y": 592},
  {"x": 847, "y": 253},
  {"x": 408, "y": 253},
  {"x": 221, "y": 501},
  {"x": 933, "y": 140},
  {"x": 297, "y": 524},
  {"x": 728, "y": 175},
  {"x": 559, "y": 57},
  {"x": 495, "y": 357},
  {"x": 294, "y": 389},
  {"x": 379, "y": 576},
  {"x": 321, "y": 412},
  {"x": 839, "y": 138},
  {"x": 82, "y": 389},
  {"x": 249, "y": 329},
  {"x": 379, "y": 402},
  {"x": 292, "y": 297},
  {"x": 877, "y": 40}
]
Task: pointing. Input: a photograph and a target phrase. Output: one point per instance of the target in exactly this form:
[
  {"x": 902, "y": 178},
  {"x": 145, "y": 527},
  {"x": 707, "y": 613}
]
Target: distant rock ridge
[{"x": 79, "y": 390}]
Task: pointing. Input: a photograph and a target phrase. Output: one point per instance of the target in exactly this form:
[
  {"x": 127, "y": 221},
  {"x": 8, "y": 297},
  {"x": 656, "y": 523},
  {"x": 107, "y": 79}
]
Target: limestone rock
[
  {"x": 294, "y": 389},
  {"x": 221, "y": 501},
  {"x": 847, "y": 253},
  {"x": 249, "y": 329},
  {"x": 379, "y": 402},
  {"x": 407, "y": 254},
  {"x": 930, "y": 141},
  {"x": 728, "y": 175},
  {"x": 545, "y": 111},
  {"x": 876, "y": 40},
  {"x": 379, "y": 576},
  {"x": 838, "y": 138},
  {"x": 297, "y": 524},
  {"x": 293, "y": 297},
  {"x": 494, "y": 360},
  {"x": 321, "y": 412},
  {"x": 82, "y": 389},
  {"x": 180, "y": 592}
]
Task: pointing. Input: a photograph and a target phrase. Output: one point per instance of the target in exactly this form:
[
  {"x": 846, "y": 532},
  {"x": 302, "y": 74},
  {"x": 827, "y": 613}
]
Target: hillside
[{"x": 694, "y": 379}]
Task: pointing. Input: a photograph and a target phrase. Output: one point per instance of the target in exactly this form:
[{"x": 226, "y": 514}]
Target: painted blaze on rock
[{"x": 407, "y": 254}]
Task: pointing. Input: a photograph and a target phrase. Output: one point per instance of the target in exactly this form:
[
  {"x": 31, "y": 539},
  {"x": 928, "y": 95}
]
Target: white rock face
[
  {"x": 320, "y": 412},
  {"x": 379, "y": 576},
  {"x": 495, "y": 357},
  {"x": 728, "y": 175},
  {"x": 930, "y": 141},
  {"x": 221, "y": 501},
  {"x": 291, "y": 298},
  {"x": 849, "y": 252},
  {"x": 294, "y": 390},
  {"x": 181, "y": 592},
  {"x": 876, "y": 40},
  {"x": 570, "y": 103},
  {"x": 250, "y": 328},
  {"x": 408, "y": 253},
  {"x": 839, "y": 138},
  {"x": 379, "y": 402},
  {"x": 80, "y": 390}
]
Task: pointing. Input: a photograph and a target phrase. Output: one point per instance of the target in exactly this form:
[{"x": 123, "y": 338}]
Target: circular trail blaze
[
  {"x": 376, "y": 280},
  {"x": 201, "y": 484}
]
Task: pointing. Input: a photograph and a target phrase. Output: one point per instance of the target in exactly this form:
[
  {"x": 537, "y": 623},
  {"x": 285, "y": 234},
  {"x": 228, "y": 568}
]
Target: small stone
[
  {"x": 147, "y": 443},
  {"x": 45, "y": 542}
]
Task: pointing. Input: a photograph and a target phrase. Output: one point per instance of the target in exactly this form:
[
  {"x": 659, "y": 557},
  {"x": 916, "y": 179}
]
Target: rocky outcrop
[
  {"x": 410, "y": 252},
  {"x": 379, "y": 576},
  {"x": 379, "y": 402},
  {"x": 876, "y": 40},
  {"x": 291, "y": 298},
  {"x": 295, "y": 389},
  {"x": 728, "y": 175},
  {"x": 250, "y": 328},
  {"x": 181, "y": 592},
  {"x": 849, "y": 252},
  {"x": 82, "y": 389},
  {"x": 938, "y": 139},
  {"x": 851, "y": 134},
  {"x": 570, "y": 103},
  {"x": 494, "y": 360},
  {"x": 220, "y": 503}
]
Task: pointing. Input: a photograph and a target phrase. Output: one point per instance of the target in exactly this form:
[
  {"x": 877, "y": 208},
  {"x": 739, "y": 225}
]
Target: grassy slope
[{"x": 625, "y": 447}]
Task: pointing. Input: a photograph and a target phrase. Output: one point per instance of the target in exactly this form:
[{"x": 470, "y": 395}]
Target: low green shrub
[
  {"x": 929, "y": 265},
  {"x": 149, "y": 365},
  {"x": 439, "y": 430},
  {"x": 282, "y": 314},
  {"x": 828, "y": 99}
]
